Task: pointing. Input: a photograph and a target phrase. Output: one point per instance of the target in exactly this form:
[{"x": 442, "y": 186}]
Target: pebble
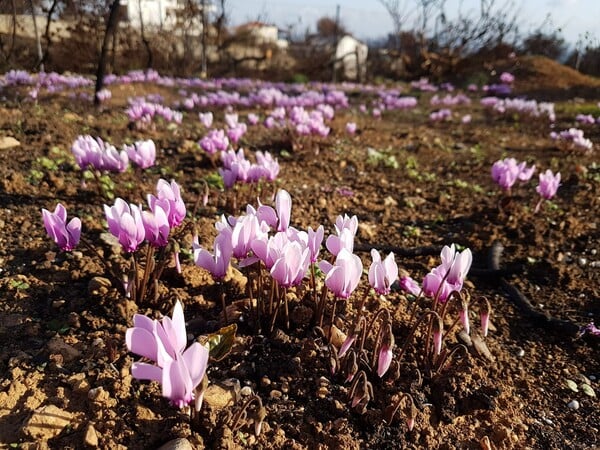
[
  {"x": 520, "y": 352},
  {"x": 246, "y": 391},
  {"x": 547, "y": 421},
  {"x": 582, "y": 262},
  {"x": 592, "y": 378},
  {"x": 90, "y": 437},
  {"x": 574, "y": 405},
  {"x": 47, "y": 422},
  {"x": 177, "y": 444},
  {"x": 275, "y": 394}
]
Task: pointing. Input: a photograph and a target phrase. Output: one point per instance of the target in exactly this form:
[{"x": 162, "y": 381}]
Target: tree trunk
[
  {"x": 113, "y": 19},
  {"x": 38, "y": 43},
  {"x": 47, "y": 32},
  {"x": 145, "y": 40}
]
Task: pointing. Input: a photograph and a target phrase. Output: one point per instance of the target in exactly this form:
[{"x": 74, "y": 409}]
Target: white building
[
  {"x": 351, "y": 58},
  {"x": 162, "y": 14}
]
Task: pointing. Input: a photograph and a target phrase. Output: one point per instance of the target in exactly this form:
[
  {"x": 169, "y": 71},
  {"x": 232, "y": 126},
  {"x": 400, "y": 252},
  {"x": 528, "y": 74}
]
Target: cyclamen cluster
[
  {"x": 94, "y": 153},
  {"x": 442, "y": 280},
  {"x": 450, "y": 100},
  {"x": 529, "y": 107},
  {"x": 441, "y": 115},
  {"x": 142, "y": 112},
  {"x": 573, "y": 137},
  {"x": 236, "y": 168},
  {"x": 132, "y": 226}
]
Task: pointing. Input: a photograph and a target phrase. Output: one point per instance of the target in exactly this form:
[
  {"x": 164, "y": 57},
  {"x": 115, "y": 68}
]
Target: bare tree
[
  {"x": 111, "y": 27},
  {"x": 399, "y": 11},
  {"x": 145, "y": 40}
]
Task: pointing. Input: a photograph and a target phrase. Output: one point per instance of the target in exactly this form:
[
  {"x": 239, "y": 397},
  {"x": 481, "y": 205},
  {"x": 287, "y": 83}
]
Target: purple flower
[
  {"x": 507, "y": 78},
  {"x": 168, "y": 196},
  {"x": 351, "y": 127},
  {"x": 142, "y": 153},
  {"x": 156, "y": 224},
  {"x": 382, "y": 274},
  {"x": 290, "y": 268},
  {"x": 315, "y": 238},
  {"x": 343, "y": 276},
  {"x": 548, "y": 184},
  {"x": 505, "y": 172},
  {"x": 126, "y": 224},
  {"x": 385, "y": 352},
  {"x": 218, "y": 263},
  {"x": 66, "y": 235},
  {"x": 409, "y": 285},
  {"x": 448, "y": 276},
  {"x": 206, "y": 119},
  {"x": 179, "y": 370}
]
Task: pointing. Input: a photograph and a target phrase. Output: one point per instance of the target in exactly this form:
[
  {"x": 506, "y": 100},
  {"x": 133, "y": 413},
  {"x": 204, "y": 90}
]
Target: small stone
[
  {"x": 592, "y": 378},
  {"x": 218, "y": 397},
  {"x": 177, "y": 444},
  {"x": 582, "y": 262},
  {"x": 58, "y": 345},
  {"x": 264, "y": 381},
  {"x": 90, "y": 437},
  {"x": 7, "y": 142},
  {"x": 58, "y": 303},
  {"x": 574, "y": 405},
  {"x": 520, "y": 353},
  {"x": 548, "y": 421},
  {"x": 99, "y": 286},
  {"x": 275, "y": 394},
  {"x": 246, "y": 391},
  {"x": 47, "y": 422}
]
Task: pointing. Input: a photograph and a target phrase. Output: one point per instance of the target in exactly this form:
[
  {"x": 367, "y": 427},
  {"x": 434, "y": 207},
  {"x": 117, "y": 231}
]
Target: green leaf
[{"x": 221, "y": 342}]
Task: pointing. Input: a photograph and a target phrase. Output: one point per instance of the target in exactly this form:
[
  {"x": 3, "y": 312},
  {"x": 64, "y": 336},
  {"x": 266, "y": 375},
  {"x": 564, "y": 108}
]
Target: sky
[{"x": 368, "y": 18}]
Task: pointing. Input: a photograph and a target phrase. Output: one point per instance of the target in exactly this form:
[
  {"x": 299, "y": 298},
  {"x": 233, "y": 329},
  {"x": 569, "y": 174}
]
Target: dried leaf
[
  {"x": 221, "y": 342},
  {"x": 587, "y": 390},
  {"x": 572, "y": 385}
]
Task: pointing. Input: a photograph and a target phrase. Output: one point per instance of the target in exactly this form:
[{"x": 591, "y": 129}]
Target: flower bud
[{"x": 438, "y": 328}]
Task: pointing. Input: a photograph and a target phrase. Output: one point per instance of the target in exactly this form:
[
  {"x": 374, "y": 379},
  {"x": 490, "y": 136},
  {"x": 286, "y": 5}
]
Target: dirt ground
[{"x": 65, "y": 370}]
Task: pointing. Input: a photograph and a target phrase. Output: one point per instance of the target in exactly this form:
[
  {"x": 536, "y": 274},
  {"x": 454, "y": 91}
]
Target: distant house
[
  {"x": 254, "y": 45},
  {"x": 154, "y": 13},
  {"x": 351, "y": 58}
]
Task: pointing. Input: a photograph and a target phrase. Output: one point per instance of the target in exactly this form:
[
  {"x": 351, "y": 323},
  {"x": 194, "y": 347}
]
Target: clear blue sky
[{"x": 368, "y": 18}]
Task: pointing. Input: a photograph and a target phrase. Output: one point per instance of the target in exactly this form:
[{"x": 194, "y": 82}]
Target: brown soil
[{"x": 62, "y": 328}]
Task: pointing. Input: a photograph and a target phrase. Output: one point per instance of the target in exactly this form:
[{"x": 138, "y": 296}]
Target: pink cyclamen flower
[
  {"x": 507, "y": 78},
  {"x": 142, "y": 153},
  {"x": 126, "y": 224},
  {"x": 66, "y": 235},
  {"x": 290, "y": 268},
  {"x": 409, "y": 285},
  {"x": 218, "y": 262},
  {"x": 382, "y": 274},
  {"x": 179, "y": 370},
  {"x": 315, "y": 239},
  {"x": 343, "y": 276},
  {"x": 156, "y": 224},
  {"x": 385, "y": 352},
  {"x": 206, "y": 119},
  {"x": 505, "y": 172},
  {"x": 351, "y": 127},
  {"x": 168, "y": 196},
  {"x": 548, "y": 184}
]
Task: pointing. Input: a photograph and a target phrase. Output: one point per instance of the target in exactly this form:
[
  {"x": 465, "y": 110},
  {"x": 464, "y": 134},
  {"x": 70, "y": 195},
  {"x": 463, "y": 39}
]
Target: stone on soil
[{"x": 47, "y": 422}]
